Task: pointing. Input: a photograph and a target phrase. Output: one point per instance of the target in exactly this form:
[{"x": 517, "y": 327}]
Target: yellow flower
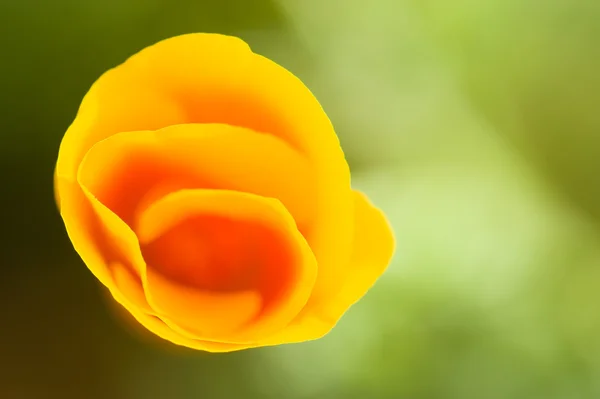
[{"x": 205, "y": 187}]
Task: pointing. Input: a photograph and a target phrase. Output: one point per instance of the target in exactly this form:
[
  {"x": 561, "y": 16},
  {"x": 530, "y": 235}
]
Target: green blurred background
[{"x": 474, "y": 124}]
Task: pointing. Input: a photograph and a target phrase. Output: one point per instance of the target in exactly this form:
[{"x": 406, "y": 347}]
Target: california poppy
[{"x": 205, "y": 187}]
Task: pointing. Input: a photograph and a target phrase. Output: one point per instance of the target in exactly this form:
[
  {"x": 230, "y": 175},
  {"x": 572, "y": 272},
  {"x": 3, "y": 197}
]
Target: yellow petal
[
  {"x": 130, "y": 96},
  {"x": 205, "y": 313},
  {"x": 129, "y": 170},
  {"x": 83, "y": 228},
  {"x": 210, "y": 252},
  {"x": 206, "y": 78},
  {"x": 123, "y": 245},
  {"x": 96, "y": 249},
  {"x": 129, "y": 286},
  {"x": 160, "y": 329},
  {"x": 130, "y": 295},
  {"x": 114, "y": 104},
  {"x": 372, "y": 252}
]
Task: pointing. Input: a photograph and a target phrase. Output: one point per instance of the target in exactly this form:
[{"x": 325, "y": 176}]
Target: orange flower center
[{"x": 215, "y": 253}]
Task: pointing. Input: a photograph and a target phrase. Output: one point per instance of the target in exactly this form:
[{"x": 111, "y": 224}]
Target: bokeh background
[{"x": 474, "y": 124}]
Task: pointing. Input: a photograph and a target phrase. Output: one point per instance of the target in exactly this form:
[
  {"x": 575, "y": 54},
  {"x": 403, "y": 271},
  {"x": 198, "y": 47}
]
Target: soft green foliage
[{"x": 532, "y": 69}]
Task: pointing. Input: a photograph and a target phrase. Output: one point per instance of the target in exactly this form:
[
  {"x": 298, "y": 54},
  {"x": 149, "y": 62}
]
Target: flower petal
[
  {"x": 129, "y": 285},
  {"x": 124, "y": 245},
  {"x": 95, "y": 245},
  {"x": 207, "y": 78},
  {"x": 372, "y": 251},
  {"x": 129, "y": 97},
  {"x": 83, "y": 228},
  {"x": 210, "y": 251},
  {"x": 129, "y": 170},
  {"x": 204, "y": 78},
  {"x": 207, "y": 312},
  {"x": 160, "y": 329}
]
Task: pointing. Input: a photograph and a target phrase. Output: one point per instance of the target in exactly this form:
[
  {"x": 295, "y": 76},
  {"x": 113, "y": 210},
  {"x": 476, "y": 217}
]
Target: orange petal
[
  {"x": 162, "y": 330},
  {"x": 129, "y": 170},
  {"x": 208, "y": 313},
  {"x": 95, "y": 248},
  {"x": 122, "y": 241},
  {"x": 130, "y": 97},
  {"x": 372, "y": 252},
  {"x": 108, "y": 108},
  {"x": 205, "y": 78},
  {"x": 129, "y": 285},
  {"x": 210, "y": 251},
  {"x": 83, "y": 228}
]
